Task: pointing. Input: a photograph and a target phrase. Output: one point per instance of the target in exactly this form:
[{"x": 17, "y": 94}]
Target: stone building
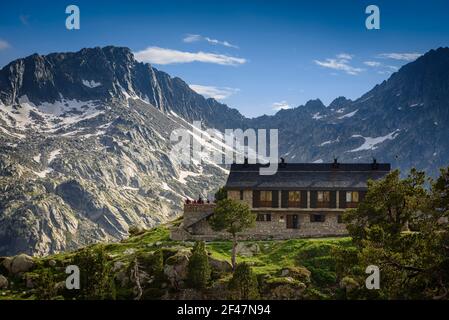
[{"x": 300, "y": 200}]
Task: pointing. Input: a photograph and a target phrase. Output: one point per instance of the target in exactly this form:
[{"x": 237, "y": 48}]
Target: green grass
[
  {"x": 314, "y": 254},
  {"x": 143, "y": 242}
]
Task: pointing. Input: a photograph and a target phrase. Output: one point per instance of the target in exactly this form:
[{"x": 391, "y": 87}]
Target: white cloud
[
  {"x": 4, "y": 45},
  {"x": 192, "y": 38},
  {"x": 372, "y": 63},
  {"x": 281, "y": 105},
  {"x": 197, "y": 37},
  {"x": 384, "y": 69},
  {"x": 345, "y": 56},
  {"x": 401, "y": 56},
  {"x": 341, "y": 62},
  {"x": 159, "y": 55},
  {"x": 218, "y": 93}
]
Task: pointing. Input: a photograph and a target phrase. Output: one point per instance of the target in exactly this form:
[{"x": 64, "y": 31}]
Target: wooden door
[{"x": 292, "y": 221}]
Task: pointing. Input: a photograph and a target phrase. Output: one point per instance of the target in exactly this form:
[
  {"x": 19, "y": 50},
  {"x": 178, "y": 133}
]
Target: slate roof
[{"x": 310, "y": 176}]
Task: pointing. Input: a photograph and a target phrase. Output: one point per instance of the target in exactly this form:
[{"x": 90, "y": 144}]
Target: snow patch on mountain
[
  {"x": 52, "y": 156},
  {"x": 349, "y": 115},
  {"x": 47, "y": 116},
  {"x": 325, "y": 143},
  {"x": 372, "y": 143},
  {"x": 91, "y": 83},
  {"x": 37, "y": 158},
  {"x": 43, "y": 173}
]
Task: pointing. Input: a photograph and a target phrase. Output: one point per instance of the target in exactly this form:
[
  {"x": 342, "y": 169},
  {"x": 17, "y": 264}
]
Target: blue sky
[{"x": 256, "y": 56}]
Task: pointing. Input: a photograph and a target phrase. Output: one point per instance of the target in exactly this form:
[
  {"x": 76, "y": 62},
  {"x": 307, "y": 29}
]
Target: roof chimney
[
  {"x": 374, "y": 165},
  {"x": 335, "y": 164},
  {"x": 282, "y": 164}
]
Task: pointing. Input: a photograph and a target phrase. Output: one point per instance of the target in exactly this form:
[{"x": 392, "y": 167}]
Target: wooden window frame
[
  {"x": 351, "y": 203},
  {"x": 263, "y": 202},
  {"x": 323, "y": 203},
  {"x": 263, "y": 217},
  {"x": 294, "y": 204}
]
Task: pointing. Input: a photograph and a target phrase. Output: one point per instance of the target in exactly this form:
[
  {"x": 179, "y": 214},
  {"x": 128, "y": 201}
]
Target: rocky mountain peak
[
  {"x": 103, "y": 73},
  {"x": 339, "y": 102},
  {"x": 314, "y": 105}
]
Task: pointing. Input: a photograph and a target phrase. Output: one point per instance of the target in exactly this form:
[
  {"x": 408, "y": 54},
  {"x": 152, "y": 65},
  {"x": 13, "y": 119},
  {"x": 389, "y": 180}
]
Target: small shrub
[
  {"x": 157, "y": 262},
  {"x": 299, "y": 273},
  {"x": 97, "y": 281},
  {"x": 315, "y": 294},
  {"x": 244, "y": 284},
  {"x": 199, "y": 270},
  {"x": 46, "y": 285}
]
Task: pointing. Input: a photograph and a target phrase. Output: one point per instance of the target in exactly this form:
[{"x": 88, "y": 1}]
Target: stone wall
[
  {"x": 274, "y": 229},
  {"x": 194, "y": 212}
]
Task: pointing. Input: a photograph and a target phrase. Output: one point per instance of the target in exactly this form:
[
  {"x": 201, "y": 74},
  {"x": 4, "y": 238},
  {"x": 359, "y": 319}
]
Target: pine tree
[
  {"x": 199, "y": 268},
  {"x": 244, "y": 283},
  {"x": 221, "y": 194},
  {"x": 233, "y": 217},
  {"x": 96, "y": 274}
]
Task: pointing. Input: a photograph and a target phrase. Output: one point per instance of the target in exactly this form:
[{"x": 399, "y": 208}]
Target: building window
[
  {"x": 233, "y": 194},
  {"x": 263, "y": 217},
  {"x": 266, "y": 198},
  {"x": 352, "y": 199},
  {"x": 241, "y": 194},
  {"x": 323, "y": 199},
  {"x": 317, "y": 218},
  {"x": 340, "y": 218},
  {"x": 352, "y": 196},
  {"x": 294, "y": 199},
  {"x": 292, "y": 221}
]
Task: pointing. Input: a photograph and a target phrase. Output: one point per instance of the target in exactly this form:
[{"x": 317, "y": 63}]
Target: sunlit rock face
[{"x": 85, "y": 149}]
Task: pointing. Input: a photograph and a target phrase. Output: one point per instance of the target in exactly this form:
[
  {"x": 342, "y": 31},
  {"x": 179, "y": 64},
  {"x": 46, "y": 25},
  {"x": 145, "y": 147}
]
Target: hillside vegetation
[{"x": 298, "y": 268}]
